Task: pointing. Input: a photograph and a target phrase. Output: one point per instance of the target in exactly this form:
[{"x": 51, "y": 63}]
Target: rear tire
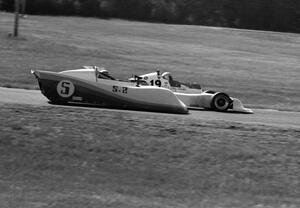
[{"x": 221, "y": 102}]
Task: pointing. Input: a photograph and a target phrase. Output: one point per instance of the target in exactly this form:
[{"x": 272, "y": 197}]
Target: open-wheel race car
[{"x": 150, "y": 92}]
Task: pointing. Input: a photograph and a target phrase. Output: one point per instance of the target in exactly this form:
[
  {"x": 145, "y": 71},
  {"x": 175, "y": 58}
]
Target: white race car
[
  {"x": 150, "y": 92},
  {"x": 193, "y": 96}
]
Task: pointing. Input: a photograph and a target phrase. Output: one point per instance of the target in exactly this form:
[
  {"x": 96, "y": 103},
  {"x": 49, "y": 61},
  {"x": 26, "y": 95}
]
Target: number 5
[{"x": 65, "y": 88}]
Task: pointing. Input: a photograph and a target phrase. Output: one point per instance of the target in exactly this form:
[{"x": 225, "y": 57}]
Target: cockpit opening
[{"x": 103, "y": 74}]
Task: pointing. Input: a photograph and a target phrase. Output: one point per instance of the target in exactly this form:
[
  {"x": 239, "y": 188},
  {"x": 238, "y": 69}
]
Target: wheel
[{"x": 221, "y": 102}]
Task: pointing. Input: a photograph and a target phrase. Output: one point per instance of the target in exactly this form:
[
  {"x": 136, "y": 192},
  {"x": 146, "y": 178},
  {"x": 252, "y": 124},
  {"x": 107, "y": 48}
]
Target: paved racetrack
[{"x": 260, "y": 116}]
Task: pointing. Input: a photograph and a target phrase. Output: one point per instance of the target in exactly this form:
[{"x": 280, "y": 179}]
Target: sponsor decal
[
  {"x": 76, "y": 98},
  {"x": 118, "y": 89}
]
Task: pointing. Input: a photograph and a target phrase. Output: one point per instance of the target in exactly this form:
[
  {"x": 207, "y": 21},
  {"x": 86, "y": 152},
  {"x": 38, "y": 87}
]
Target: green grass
[
  {"x": 260, "y": 68},
  {"x": 68, "y": 157}
]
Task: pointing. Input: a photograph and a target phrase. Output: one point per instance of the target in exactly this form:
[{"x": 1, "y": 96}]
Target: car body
[
  {"x": 93, "y": 85},
  {"x": 150, "y": 92}
]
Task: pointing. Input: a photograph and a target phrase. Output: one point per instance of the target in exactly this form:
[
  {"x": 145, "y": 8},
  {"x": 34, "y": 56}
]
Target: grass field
[
  {"x": 261, "y": 68},
  {"x": 66, "y": 157}
]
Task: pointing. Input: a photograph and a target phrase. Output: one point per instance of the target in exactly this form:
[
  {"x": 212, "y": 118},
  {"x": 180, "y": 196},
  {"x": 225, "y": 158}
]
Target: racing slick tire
[{"x": 221, "y": 102}]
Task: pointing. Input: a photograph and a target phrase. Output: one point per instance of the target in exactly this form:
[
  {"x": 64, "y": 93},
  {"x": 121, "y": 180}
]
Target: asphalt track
[{"x": 261, "y": 116}]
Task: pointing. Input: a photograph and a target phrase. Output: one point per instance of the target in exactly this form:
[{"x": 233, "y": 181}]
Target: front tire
[{"x": 221, "y": 102}]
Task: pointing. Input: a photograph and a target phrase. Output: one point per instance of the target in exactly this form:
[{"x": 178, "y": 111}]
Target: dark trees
[{"x": 277, "y": 15}]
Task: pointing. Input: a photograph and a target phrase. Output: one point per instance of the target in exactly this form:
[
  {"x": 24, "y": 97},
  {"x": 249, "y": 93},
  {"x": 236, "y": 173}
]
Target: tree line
[{"x": 275, "y": 15}]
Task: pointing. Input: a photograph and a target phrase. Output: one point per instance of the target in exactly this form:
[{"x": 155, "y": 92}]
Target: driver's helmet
[
  {"x": 172, "y": 82},
  {"x": 167, "y": 76}
]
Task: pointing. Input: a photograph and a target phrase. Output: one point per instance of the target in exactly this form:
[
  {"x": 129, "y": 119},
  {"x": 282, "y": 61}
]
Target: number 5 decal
[{"x": 65, "y": 88}]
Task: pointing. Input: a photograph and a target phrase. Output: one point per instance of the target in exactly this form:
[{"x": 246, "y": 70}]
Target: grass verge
[{"x": 62, "y": 157}]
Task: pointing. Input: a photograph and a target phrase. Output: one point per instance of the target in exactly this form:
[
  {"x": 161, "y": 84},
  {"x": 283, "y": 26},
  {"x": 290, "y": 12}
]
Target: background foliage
[{"x": 276, "y": 15}]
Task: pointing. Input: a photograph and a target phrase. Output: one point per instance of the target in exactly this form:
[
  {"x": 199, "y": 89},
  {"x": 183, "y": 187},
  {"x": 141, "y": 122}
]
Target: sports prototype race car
[{"x": 151, "y": 92}]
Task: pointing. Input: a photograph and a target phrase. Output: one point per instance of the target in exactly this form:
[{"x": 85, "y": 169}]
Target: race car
[
  {"x": 94, "y": 86},
  {"x": 151, "y": 92},
  {"x": 193, "y": 96}
]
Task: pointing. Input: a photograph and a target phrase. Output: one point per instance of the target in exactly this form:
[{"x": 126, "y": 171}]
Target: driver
[{"x": 172, "y": 82}]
